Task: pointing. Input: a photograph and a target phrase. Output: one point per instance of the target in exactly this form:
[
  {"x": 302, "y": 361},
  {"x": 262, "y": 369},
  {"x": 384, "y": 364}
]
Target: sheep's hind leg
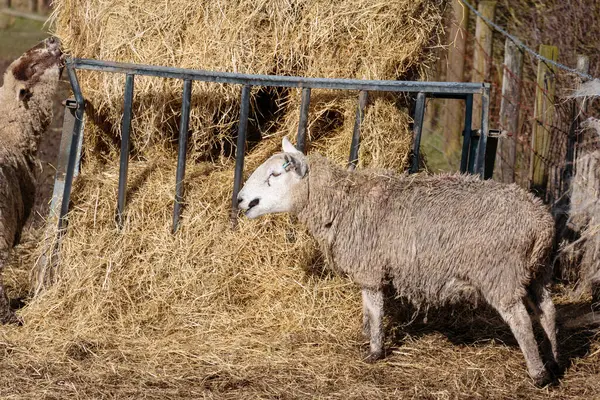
[
  {"x": 518, "y": 319},
  {"x": 373, "y": 322},
  {"x": 544, "y": 309}
]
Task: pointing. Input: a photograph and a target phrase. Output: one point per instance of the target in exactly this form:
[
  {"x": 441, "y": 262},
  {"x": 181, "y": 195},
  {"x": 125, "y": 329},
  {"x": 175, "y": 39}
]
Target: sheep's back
[{"x": 441, "y": 237}]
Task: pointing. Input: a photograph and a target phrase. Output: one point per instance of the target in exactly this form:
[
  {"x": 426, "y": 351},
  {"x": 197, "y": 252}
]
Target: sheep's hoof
[
  {"x": 544, "y": 378},
  {"x": 11, "y": 318},
  {"x": 554, "y": 369},
  {"x": 373, "y": 357}
]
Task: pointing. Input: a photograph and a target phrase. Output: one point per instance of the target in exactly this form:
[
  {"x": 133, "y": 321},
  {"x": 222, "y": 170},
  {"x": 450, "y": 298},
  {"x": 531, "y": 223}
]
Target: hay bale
[{"x": 317, "y": 38}]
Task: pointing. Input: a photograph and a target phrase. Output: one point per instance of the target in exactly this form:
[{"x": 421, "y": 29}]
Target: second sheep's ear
[{"x": 23, "y": 94}]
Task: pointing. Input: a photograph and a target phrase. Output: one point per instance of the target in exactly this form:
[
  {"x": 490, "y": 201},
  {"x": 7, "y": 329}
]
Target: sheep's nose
[{"x": 253, "y": 203}]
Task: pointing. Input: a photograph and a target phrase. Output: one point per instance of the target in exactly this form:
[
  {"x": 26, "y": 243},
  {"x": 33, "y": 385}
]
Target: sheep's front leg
[
  {"x": 7, "y": 316},
  {"x": 373, "y": 322}
]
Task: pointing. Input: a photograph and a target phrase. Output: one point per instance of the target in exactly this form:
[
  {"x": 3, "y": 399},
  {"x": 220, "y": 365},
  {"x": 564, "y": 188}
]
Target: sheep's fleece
[
  {"x": 30, "y": 82},
  {"x": 437, "y": 239}
]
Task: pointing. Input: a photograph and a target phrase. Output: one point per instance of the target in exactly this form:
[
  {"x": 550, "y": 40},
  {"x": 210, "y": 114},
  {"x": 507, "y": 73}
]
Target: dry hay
[
  {"x": 315, "y": 38},
  {"x": 211, "y": 312}
]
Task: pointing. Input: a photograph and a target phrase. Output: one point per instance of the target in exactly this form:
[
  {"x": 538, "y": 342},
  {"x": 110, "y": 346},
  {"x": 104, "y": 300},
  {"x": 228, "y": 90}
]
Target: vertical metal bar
[
  {"x": 239, "y": 152},
  {"x": 363, "y": 98},
  {"x": 75, "y": 142},
  {"x": 464, "y": 159},
  {"x": 63, "y": 158},
  {"x": 490, "y": 156},
  {"x": 418, "y": 130},
  {"x": 301, "y": 139},
  {"x": 124, "y": 162},
  {"x": 485, "y": 112},
  {"x": 183, "y": 138}
]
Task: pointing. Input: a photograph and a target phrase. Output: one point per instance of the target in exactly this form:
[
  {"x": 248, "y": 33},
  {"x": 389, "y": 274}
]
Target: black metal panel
[
  {"x": 302, "y": 124},
  {"x": 438, "y": 88},
  {"x": 181, "y": 157},
  {"x": 418, "y": 131},
  {"x": 363, "y": 98},
  {"x": 240, "y": 151},
  {"x": 124, "y": 161},
  {"x": 451, "y": 90}
]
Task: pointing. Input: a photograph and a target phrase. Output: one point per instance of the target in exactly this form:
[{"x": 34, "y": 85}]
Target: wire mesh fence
[{"x": 556, "y": 117}]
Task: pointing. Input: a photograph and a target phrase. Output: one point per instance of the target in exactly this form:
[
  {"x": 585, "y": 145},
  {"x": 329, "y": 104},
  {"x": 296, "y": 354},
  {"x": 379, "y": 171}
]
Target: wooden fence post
[
  {"x": 543, "y": 115},
  {"x": 482, "y": 51},
  {"x": 43, "y": 6},
  {"x": 453, "y": 110},
  {"x": 506, "y": 156},
  {"x": 4, "y": 19},
  {"x": 583, "y": 66}
]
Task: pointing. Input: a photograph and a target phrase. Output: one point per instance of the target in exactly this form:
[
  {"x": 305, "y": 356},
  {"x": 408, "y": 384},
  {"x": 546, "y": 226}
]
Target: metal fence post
[
  {"x": 124, "y": 160},
  {"x": 363, "y": 98},
  {"x": 183, "y": 138},
  {"x": 483, "y": 136},
  {"x": 75, "y": 148},
  {"x": 240, "y": 152},
  {"x": 418, "y": 131},
  {"x": 466, "y": 147},
  {"x": 303, "y": 123}
]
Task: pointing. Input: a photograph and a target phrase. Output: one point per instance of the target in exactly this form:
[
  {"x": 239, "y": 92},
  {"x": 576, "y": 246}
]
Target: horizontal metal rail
[{"x": 438, "y": 88}]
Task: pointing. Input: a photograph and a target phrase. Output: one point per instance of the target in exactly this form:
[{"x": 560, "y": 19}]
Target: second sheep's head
[
  {"x": 35, "y": 73},
  {"x": 276, "y": 185}
]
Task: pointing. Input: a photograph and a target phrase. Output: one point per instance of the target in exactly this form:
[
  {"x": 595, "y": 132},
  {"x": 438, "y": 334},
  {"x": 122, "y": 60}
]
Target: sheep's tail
[{"x": 543, "y": 250}]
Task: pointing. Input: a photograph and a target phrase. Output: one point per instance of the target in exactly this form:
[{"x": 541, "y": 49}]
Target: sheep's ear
[
  {"x": 297, "y": 163},
  {"x": 23, "y": 94},
  {"x": 288, "y": 147}
]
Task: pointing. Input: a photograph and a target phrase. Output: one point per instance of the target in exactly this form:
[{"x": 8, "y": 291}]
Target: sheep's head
[
  {"x": 273, "y": 187},
  {"x": 36, "y": 72}
]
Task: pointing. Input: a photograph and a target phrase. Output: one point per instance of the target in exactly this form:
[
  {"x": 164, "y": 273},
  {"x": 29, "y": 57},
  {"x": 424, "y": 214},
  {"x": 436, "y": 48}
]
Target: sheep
[
  {"x": 30, "y": 82},
  {"x": 437, "y": 239}
]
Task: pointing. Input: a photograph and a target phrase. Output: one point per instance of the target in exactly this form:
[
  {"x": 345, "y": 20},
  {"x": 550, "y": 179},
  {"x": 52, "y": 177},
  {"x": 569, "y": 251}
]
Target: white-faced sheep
[
  {"x": 438, "y": 239},
  {"x": 30, "y": 83}
]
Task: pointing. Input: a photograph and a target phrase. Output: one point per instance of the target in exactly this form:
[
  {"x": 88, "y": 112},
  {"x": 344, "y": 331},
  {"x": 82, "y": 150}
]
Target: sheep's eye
[{"x": 275, "y": 174}]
